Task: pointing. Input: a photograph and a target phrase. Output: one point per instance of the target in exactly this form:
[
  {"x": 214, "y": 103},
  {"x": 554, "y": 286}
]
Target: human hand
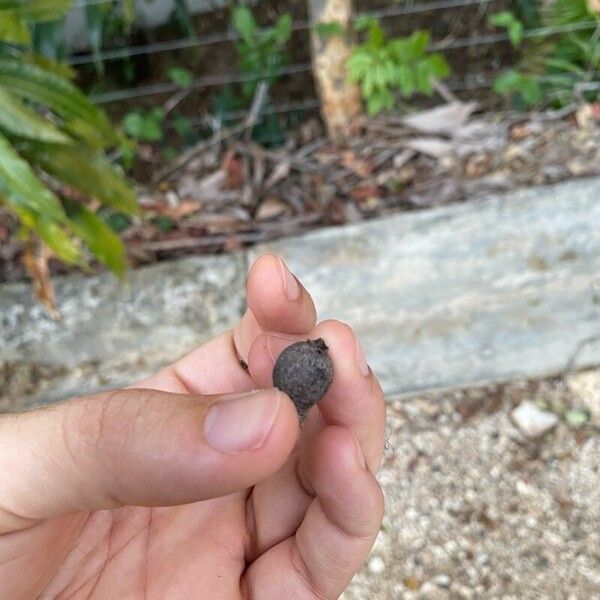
[{"x": 190, "y": 485}]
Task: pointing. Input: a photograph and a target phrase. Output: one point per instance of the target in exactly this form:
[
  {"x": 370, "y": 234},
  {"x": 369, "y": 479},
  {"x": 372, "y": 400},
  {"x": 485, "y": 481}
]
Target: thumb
[{"x": 141, "y": 448}]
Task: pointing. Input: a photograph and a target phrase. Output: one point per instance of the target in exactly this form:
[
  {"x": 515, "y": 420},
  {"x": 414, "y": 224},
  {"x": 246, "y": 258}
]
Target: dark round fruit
[{"x": 304, "y": 371}]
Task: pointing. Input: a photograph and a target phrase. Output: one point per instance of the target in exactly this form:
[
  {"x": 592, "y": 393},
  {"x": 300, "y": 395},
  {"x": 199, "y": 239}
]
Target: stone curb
[{"x": 506, "y": 287}]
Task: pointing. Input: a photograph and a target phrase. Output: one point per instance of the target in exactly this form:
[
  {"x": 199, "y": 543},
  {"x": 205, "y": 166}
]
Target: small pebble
[
  {"x": 532, "y": 421},
  {"x": 442, "y": 581},
  {"x": 376, "y": 565}
]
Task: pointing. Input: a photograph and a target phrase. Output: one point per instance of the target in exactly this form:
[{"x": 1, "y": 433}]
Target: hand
[{"x": 192, "y": 486}]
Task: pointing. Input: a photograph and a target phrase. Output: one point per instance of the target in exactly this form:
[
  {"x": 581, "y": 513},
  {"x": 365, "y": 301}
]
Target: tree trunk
[{"x": 341, "y": 104}]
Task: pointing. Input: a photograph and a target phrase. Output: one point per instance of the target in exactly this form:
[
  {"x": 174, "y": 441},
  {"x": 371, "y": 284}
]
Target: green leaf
[
  {"x": 380, "y": 100},
  {"x": 86, "y": 170},
  {"x": 18, "y": 119},
  {"x": 13, "y": 29},
  {"x": 417, "y": 46},
  {"x": 423, "y": 77},
  {"x": 511, "y": 23},
  {"x": 439, "y": 66},
  {"x": 22, "y": 189},
  {"x": 244, "y": 23},
  {"x": 143, "y": 126},
  {"x": 365, "y": 22},
  {"x": 182, "y": 125},
  {"x": 577, "y": 417},
  {"x": 98, "y": 236},
  {"x": 59, "y": 240},
  {"x": 283, "y": 29},
  {"x": 62, "y": 70},
  {"x": 81, "y": 117},
  {"x": 507, "y": 82},
  {"x": 35, "y": 11},
  {"x": 513, "y": 81},
  {"x": 181, "y": 77},
  {"x": 406, "y": 80}
]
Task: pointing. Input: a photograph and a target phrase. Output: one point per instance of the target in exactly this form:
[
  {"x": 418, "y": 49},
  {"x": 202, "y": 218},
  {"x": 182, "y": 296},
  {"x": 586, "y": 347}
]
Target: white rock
[
  {"x": 376, "y": 565},
  {"x": 532, "y": 421},
  {"x": 442, "y": 581},
  {"x": 585, "y": 386}
]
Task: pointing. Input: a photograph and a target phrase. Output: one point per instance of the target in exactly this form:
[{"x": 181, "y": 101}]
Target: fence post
[{"x": 340, "y": 99}]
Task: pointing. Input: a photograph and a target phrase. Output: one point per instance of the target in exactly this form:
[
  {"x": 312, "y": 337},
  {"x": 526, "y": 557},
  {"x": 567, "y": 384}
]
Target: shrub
[{"x": 53, "y": 144}]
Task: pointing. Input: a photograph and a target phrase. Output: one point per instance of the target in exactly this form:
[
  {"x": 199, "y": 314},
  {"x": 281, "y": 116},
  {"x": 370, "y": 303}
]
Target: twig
[
  {"x": 268, "y": 231},
  {"x": 203, "y": 145},
  {"x": 444, "y": 91}
]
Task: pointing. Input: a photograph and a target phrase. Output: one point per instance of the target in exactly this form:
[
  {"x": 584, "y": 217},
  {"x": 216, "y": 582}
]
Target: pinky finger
[{"x": 338, "y": 530}]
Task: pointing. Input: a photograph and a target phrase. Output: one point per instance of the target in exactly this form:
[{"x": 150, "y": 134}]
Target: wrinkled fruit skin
[{"x": 304, "y": 371}]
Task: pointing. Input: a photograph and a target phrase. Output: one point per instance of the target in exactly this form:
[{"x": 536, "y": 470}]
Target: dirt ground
[{"x": 474, "y": 509}]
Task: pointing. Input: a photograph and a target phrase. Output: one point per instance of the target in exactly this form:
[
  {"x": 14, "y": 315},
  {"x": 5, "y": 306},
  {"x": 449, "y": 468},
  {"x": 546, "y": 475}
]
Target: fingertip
[{"x": 278, "y": 300}]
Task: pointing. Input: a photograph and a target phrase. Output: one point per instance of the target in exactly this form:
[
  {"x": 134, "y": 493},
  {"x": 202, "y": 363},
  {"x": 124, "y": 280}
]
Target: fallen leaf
[
  {"x": 588, "y": 115},
  {"x": 183, "y": 209},
  {"x": 233, "y": 166},
  {"x": 280, "y": 172},
  {"x": 272, "y": 208},
  {"x": 478, "y": 165},
  {"x": 35, "y": 260},
  {"x": 361, "y": 167},
  {"x": 403, "y": 158},
  {"x": 207, "y": 187},
  {"x": 520, "y": 132},
  {"x": 442, "y": 120},
  {"x": 434, "y": 147},
  {"x": 366, "y": 191}
]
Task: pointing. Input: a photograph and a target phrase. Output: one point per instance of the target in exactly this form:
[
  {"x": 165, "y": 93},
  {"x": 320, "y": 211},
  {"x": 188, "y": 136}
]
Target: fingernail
[
  {"x": 291, "y": 287},
  {"x": 242, "y": 423},
  {"x": 363, "y": 367},
  {"x": 276, "y": 344}
]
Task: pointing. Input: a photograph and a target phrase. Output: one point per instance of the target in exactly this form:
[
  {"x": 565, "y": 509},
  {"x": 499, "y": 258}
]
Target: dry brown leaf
[
  {"x": 35, "y": 260},
  {"x": 279, "y": 173},
  {"x": 183, "y": 209},
  {"x": 588, "y": 115},
  {"x": 272, "y": 208},
  {"x": 360, "y": 166},
  {"x": 234, "y": 170},
  {"x": 365, "y": 192},
  {"x": 520, "y": 132},
  {"x": 478, "y": 165}
]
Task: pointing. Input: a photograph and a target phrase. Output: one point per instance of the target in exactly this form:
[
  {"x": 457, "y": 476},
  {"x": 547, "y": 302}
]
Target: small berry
[{"x": 304, "y": 371}]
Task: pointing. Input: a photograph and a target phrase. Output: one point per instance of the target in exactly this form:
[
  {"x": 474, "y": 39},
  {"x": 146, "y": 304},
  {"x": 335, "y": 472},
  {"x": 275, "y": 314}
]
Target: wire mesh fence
[{"x": 460, "y": 30}]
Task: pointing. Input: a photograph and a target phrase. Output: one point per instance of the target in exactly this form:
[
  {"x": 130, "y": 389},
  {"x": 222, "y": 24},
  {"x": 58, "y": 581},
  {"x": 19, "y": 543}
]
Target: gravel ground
[{"x": 474, "y": 509}]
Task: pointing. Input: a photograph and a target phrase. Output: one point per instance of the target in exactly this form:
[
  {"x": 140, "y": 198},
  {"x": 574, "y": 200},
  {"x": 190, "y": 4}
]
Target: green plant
[
  {"x": 181, "y": 77},
  {"x": 513, "y": 25},
  {"x": 52, "y": 143},
  {"x": 261, "y": 51},
  {"x": 558, "y": 69},
  {"x": 387, "y": 67},
  {"x": 145, "y": 126}
]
